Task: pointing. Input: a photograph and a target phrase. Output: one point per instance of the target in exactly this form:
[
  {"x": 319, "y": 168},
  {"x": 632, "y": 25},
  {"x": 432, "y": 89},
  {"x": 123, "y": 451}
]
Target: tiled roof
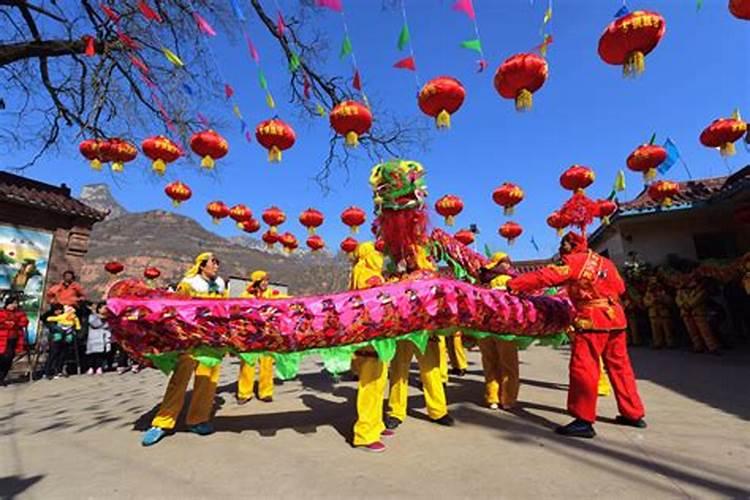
[
  {"x": 524, "y": 266},
  {"x": 24, "y": 191}
]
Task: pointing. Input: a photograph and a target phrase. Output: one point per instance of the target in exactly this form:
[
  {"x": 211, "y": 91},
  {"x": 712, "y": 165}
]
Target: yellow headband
[
  {"x": 257, "y": 276},
  {"x": 496, "y": 259},
  {"x": 200, "y": 259}
]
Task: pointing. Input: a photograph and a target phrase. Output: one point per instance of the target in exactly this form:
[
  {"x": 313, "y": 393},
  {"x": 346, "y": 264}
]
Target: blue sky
[{"x": 586, "y": 113}]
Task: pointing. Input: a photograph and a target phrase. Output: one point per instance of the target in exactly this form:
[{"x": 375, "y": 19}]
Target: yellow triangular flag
[
  {"x": 736, "y": 114},
  {"x": 237, "y": 113},
  {"x": 172, "y": 57},
  {"x": 548, "y": 14},
  {"x": 321, "y": 110},
  {"x": 269, "y": 100},
  {"x": 620, "y": 181}
]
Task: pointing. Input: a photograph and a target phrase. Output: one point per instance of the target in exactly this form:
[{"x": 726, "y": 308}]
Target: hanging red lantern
[
  {"x": 179, "y": 192},
  {"x": 628, "y": 39},
  {"x": 311, "y": 219},
  {"x": 119, "y": 152},
  {"x": 274, "y": 217},
  {"x": 353, "y": 217},
  {"x": 519, "y": 77},
  {"x": 465, "y": 236},
  {"x": 114, "y": 267},
  {"x": 276, "y": 136},
  {"x": 349, "y": 245},
  {"x": 741, "y": 214},
  {"x": 351, "y": 119},
  {"x": 315, "y": 243},
  {"x": 449, "y": 206},
  {"x": 161, "y": 151},
  {"x": 723, "y": 133},
  {"x": 645, "y": 159},
  {"x": 217, "y": 210},
  {"x": 250, "y": 225},
  {"x": 558, "y": 222},
  {"x": 605, "y": 209},
  {"x": 440, "y": 98},
  {"x": 210, "y": 146},
  {"x": 579, "y": 210},
  {"x": 288, "y": 241},
  {"x": 663, "y": 192},
  {"x": 240, "y": 213},
  {"x": 151, "y": 273},
  {"x": 508, "y": 196},
  {"x": 380, "y": 245},
  {"x": 91, "y": 150},
  {"x": 740, "y": 9},
  {"x": 270, "y": 238},
  {"x": 577, "y": 178},
  {"x": 510, "y": 231}
]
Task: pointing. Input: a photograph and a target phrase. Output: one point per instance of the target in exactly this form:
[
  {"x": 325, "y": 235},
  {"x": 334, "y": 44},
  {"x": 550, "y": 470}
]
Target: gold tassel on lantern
[
  {"x": 96, "y": 164},
  {"x": 635, "y": 64},
  {"x": 649, "y": 175},
  {"x": 450, "y": 220},
  {"x": 310, "y": 231},
  {"x": 207, "y": 162},
  {"x": 175, "y": 203},
  {"x": 727, "y": 149},
  {"x": 355, "y": 229},
  {"x": 560, "y": 232},
  {"x": 273, "y": 230},
  {"x": 352, "y": 139},
  {"x": 215, "y": 220},
  {"x": 159, "y": 166},
  {"x": 274, "y": 155},
  {"x": 508, "y": 210},
  {"x": 443, "y": 119},
  {"x": 524, "y": 100},
  {"x": 667, "y": 202},
  {"x": 118, "y": 167}
]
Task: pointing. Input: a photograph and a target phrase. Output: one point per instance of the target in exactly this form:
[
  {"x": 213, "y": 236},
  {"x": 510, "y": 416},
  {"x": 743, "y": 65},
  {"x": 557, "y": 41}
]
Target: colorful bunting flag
[
  {"x": 466, "y": 7},
  {"x": 187, "y": 89},
  {"x": 545, "y": 44},
  {"x": 306, "y": 85},
  {"x": 203, "y": 25},
  {"x": 90, "y": 49},
  {"x": 148, "y": 12},
  {"x": 172, "y": 57},
  {"x": 698, "y": 5},
  {"x": 334, "y": 5},
  {"x": 204, "y": 121},
  {"x": 622, "y": 11},
  {"x": 357, "y": 81},
  {"x": 673, "y": 154},
  {"x": 482, "y": 65},
  {"x": 128, "y": 41},
  {"x": 403, "y": 37},
  {"x": 262, "y": 79},
  {"x": 320, "y": 110},
  {"x": 139, "y": 64},
  {"x": 548, "y": 13},
  {"x": 228, "y": 91},
  {"x": 236, "y": 111},
  {"x": 248, "y": 136},
  {"x": 111, "y": 13},
  {"x": 346, "y": 47},
  {"x": 269, "y": 101},
  {"x": 406, "y": 63},
  {"x": 280, "y": 24},
  {"x": 294, "y": 62},
  {"x": 475, "y": 45},
  {"x": 237, "y": 11},
  {"x": 251, "y": 48},
  {"x": 534, "y": 244}
]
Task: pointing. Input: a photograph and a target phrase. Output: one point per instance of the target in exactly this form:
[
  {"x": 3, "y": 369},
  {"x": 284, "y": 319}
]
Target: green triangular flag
[
  {"x": 653, "y": 138},
  {"x": 619, "y": 181},
  {"x": 403, "y": 37},
  {"x": 487, "y": 251},
  {"x": 699, "y": 5},
  {"x": 475, "y": 45},
  {"x": 346, "y": 47},
  {"x": 262, "y": 80},
  {"x": 293, "y": 62}
]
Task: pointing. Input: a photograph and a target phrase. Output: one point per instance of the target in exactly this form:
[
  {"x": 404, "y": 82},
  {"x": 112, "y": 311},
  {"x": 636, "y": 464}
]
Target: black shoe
[
  {"x": 640, "y": 423},
  {"x": 242, "y": 401},
  {"x": 457, "y": 372},
  {"x": 577, "y": 428},
  {"x": 392, "y": 423},
  {"x": 445, "y": 420},
  {"x": 267, "y": 399}
]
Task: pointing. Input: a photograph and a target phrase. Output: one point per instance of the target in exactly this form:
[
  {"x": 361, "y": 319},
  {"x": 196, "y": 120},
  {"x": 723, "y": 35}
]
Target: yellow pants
[
  {"x": 443, "y": 360},
  {"x": 501, "y": 371},
  {"x": 456, "y": 352},
  {"x": 604, "y": 388},
  {"x": 699, "y": 331},
  {"x": 429, "y": 371},
  {"x": 662, "y": 332},
  {"x": 373, "y": 377},
  {"x": 246, "y": 379},
  {"x": 201, "y": 404}
]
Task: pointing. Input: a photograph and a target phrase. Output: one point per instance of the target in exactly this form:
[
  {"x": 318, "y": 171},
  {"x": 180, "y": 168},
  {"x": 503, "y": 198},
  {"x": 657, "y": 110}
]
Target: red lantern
[
  {"x": 274, "y": 217},
  {"x": 558, "y": 222},
  {"x": 161, "y": 151},
  {"x": 742, "y": 214},
  {"x": 380, "y": 245},
  {"x": 210, "y": 146},
  {"x": 449, "y": 206},
  {"x": 276, "y": 136},
  {"x": 240, "y": 213},
  {"x": 605, "y": 209},
  {"x": 217, "y": 210},
  {"x": 628, "y": 39},
  {"x": 151, "y": 273},
  {"x": 645, "y": 159},
  {"x": 465, "y": 236},
  {"x": 179, "y": 192},
  {"x": 311, "y": 219},
  {"x": 91, "y": 150},
  {"x": 250, "y": 225},
  {"x": 440, "y": 98},
  {"x": 740, "y": 9},
  {"x": 349, "y": 245},
  {"x": 270, "y": 238},
  {"x": 577, "y": 178},
  {"x": 510, "y": 231},
  {"x": 351, "y": 119},
  {"x": 119, "y": 152},
  {"x": 579, "y": 210},
  {"x": 663, "y": 192},
  {"x": 519, "y": 77},
  {"x": 353, "y": 217},
  {"x": 508, "y": 196},
  {"x": 722, "y": 134},
  {"x": 315, "y": 243},
  {"x": 288, "y": 241},
  {"x": 113, "y": 267}
]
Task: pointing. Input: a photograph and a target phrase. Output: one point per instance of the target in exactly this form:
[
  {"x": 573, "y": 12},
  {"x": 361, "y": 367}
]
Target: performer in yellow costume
[
  {"x": 657, "y": 302},
  {"x": 258, "y": 288},
  {"x": 429, "y": 366},
  {"x": 373, "y": 374},
  {"x": 692, "y": 300},
  {"x": 201, "y": 280}
]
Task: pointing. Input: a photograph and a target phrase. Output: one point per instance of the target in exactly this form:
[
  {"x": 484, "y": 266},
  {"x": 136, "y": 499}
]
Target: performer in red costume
[{"x": 595, "y": 287}]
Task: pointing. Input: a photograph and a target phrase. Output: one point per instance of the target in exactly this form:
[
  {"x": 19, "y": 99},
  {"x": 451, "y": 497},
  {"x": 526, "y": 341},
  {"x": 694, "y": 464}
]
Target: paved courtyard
[{"x": 80, "y": 438}]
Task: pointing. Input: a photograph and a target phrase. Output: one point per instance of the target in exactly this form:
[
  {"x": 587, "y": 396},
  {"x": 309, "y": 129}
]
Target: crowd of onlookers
[{"x": 74, "y": 336}]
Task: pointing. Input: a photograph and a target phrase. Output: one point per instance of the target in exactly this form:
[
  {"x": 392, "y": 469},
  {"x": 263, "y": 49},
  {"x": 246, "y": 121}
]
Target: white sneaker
[
  {"x": 494, "y": 406},
  {"x": 99, "y": 371},
  {"x": 90, "y": 371}
]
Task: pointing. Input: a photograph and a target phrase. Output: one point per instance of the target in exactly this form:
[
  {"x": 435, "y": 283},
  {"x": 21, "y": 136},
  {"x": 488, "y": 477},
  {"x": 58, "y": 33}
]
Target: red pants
[{"x": 584, "y": 375}]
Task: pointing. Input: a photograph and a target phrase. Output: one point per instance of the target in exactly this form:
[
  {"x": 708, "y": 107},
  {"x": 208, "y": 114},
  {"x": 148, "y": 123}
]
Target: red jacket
[
  {"x": 12, "y": 325},
  {"x": 594, "y": 286}
]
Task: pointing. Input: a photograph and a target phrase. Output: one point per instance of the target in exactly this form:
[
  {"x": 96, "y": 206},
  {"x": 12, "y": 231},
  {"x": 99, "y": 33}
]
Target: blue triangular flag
[
  {"x": 623, "y": 10},
  {"x": 534, "y": 244},
  {"x": 673, "y": 154}
]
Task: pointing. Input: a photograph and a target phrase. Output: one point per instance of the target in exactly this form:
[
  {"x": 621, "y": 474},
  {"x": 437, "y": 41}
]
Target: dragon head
[{"x": 398, "y": 185}]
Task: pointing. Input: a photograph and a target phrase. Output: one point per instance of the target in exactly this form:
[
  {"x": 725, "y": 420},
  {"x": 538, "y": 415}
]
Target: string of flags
[
  {"x": 473, "y": 44},
  {"x": 404, "y": 42}
]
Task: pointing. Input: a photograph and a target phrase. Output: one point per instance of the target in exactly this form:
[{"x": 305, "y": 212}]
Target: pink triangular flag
[
  {"x": 466, "y": 7},
  {"x": 357, "y": 81},
  {"x": 305, "y": 85},
  {"x": 406, "y": 63},
  {"x": 148, "y": 12},
  {"x": 253, "y": 51},
  {"x": 203, "y": 25},
  {"x": 280, "y": 24},
  {"x": 228, "y": 90},
  {"x": 330, "y": 4}
]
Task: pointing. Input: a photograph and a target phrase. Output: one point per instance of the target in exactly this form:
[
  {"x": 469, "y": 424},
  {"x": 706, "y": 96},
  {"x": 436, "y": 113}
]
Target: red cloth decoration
[
  {"x": 90, "y": 50},
  {"x": 148, "y": 12},
  {"x": 465, "y": 236}
]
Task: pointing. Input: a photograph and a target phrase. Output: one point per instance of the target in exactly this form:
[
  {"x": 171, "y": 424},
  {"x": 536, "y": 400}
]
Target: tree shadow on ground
[{"x": 12, "y": 486}]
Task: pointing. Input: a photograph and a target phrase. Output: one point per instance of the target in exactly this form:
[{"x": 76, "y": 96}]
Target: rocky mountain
[
  {"x": 99, "y": 196},
  {"x": 171, "y": 241}
]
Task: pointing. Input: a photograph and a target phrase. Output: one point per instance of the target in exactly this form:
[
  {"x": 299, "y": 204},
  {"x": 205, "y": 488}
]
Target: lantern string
[
  {"x": 357, "y": 76},
  {"x": 411, "y": 46}
]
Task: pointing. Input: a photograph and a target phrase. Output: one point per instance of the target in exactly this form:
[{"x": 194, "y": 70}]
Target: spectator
[
  {"x": 13, "y": 322},
  {"x": 67, "y": 293},
  {"x": 99, "y": 338},
  {"x": 63, "y": 325}
]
